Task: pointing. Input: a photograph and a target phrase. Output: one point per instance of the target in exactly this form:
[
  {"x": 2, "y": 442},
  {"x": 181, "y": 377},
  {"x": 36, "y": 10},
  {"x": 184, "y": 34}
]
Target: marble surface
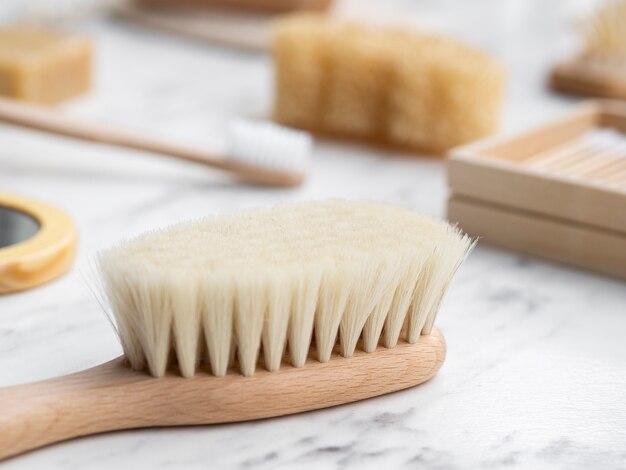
[{"x": 536, "y": 369}]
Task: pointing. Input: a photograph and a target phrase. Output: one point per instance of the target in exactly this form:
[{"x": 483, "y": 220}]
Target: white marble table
[{"x": 536, "y": 371}]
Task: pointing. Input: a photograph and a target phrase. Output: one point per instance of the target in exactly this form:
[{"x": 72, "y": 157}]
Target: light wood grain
[
  {"x": 583, "y": 77},
  {"x": 54, "y": 122},
  {"x": 114, "y": 397},
  {"x": 549, "y": 192},
  {"x": 504, "y": 170},
  {"x": 538, "y": 235},
  {"x": 265, "y": 5},
  {"x": 43, "y": 257}
]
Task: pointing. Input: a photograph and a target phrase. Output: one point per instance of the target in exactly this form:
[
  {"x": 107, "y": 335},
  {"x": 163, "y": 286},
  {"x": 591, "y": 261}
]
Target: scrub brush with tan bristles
[
  {"x": 600, "y": 69},
  {"x": 260, "y": 314},
  {"x": 386, "y": 85}
]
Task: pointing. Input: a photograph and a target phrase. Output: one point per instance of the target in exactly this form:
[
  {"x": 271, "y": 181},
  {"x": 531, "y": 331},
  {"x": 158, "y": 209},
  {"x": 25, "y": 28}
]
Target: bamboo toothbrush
[
  {"x": 195, "y": 304},
  {"x": 258, "y": 152},
  {"x": 600, "y": 69}
]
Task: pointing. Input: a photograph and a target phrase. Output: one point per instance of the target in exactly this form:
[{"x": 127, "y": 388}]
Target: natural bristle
[
  {"x": 605, "y": 32},
  {"x": 387, "y": 85},
  {"x": 267, "y": 281}
]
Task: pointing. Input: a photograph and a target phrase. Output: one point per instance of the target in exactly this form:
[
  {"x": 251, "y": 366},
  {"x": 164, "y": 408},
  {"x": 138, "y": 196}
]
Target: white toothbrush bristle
[
  {"x": 267, "y": 282},
  {"x": 269, "y": 145}
]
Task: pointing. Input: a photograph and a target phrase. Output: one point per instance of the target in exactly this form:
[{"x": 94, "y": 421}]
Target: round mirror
[
  {"x": 37, "y": 243},
  {"x": 16, "y": 226}
]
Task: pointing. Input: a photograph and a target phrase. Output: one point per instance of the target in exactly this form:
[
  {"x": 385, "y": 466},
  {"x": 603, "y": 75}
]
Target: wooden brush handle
[
  {"x": 114, "y": 397},
  {"x": 224, "y": 28},
  {"x": 43, "y": 119},
  {"x": 583, "y": 78},
  {"x": 267, "y": 5}
]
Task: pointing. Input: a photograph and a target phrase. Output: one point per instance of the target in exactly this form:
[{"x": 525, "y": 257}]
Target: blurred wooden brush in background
[{"x": 600, "y": 70}]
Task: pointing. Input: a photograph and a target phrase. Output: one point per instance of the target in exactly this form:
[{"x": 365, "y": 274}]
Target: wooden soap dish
[{"x": 558, "y": 192}]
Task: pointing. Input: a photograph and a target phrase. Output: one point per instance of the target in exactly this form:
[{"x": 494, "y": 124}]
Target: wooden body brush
[
  {"x": 258, "y": 152},
  {"x": 196, "y": 303},
  {"x": 600, "y": 70}
]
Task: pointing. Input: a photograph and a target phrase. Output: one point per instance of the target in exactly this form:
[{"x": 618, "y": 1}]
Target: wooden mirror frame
[{"x": 42, "y": 257}]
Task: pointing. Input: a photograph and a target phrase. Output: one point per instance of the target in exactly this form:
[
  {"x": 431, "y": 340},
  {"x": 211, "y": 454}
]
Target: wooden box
[{"x": 558, "y": 192}]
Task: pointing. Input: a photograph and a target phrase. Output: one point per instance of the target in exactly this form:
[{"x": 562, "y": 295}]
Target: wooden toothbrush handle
[
  {"x": 43, "y": 119},
  {"x": 114, "y": 397}
]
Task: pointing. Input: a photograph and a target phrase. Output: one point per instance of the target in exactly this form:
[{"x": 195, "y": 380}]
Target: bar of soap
[{"x": 42, "y": 66}]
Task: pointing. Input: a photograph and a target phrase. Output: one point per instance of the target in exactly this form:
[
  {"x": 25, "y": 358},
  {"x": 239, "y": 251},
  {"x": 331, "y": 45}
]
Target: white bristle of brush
[
  {"x": 268, "y": 145},
  {"x": 215, "y": 289}
]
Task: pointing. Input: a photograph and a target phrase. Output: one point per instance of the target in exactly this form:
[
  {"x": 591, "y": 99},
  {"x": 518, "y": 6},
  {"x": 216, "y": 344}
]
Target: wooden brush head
[
  {"x": 263, "y": 279},
  {"x": 600, "y": 69}
]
